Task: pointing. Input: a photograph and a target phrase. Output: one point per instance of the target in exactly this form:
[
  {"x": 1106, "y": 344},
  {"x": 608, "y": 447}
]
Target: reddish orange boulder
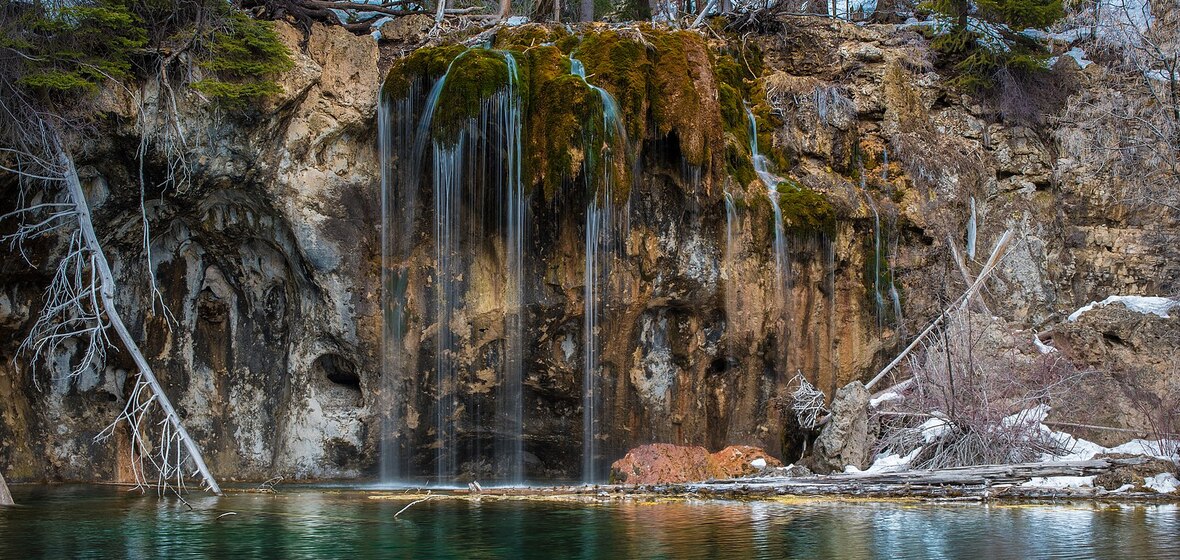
[
  {"x": 662, "y": 463},
  {"x": 741, "y": 460}
]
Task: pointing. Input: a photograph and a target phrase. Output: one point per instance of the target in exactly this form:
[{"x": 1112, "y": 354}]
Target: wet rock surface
[{"x": 269, "y": 261}]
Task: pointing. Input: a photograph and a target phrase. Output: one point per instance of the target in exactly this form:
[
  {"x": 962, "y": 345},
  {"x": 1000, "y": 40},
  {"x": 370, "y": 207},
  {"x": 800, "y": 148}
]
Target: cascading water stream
[
  {"x": 771, "y": 181},
  {"x": 510, "y": 404},
  {"x": 878, "y": 299},
  {"x": 602, "y": 221},
  {"x": 782, "y": 261},
  {"x": 484, "y": 158}
]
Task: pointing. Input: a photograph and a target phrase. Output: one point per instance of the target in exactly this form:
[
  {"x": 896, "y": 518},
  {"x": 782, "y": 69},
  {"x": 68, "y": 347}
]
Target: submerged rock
[{"x": 661, "y": 463}]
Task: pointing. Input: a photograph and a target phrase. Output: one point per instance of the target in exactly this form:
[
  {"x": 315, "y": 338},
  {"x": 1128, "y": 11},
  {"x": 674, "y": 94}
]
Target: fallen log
[{"x": 974, "y": 480}]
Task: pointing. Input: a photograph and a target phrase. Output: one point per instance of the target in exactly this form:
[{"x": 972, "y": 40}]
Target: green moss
[
  {"x": 805, "y": 209},
  {"x": 428, "y": 63},
  {"x": 620, "y": 66},
  {"x": 739, "y": 87},
  {"x": 478, "y": 75},
  {"x": 678, "y": 58},
  {"x": 527, "y": 36},
  {"x": 563, "y": 115}
]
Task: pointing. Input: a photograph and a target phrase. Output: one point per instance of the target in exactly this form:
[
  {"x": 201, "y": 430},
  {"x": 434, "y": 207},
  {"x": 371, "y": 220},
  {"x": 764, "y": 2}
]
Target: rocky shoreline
[{"x": 1028, "y": 482}]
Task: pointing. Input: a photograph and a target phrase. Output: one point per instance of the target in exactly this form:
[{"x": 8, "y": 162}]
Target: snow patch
[
  {"x": 758, "y": 463},
  {"x": 1059, "y": 482},
  {"x": 1028, "y": 418},
  {"x": 1140, "y": 304},
  {"x": 1164, "y": 483},
  {"x": 892, "y": 462},
  {"x": 1077, "y": 54},
  {"x": 934, "y": 428},
  {"x": 883, "y": 398},
  {"x": 1148, "y": 447}
]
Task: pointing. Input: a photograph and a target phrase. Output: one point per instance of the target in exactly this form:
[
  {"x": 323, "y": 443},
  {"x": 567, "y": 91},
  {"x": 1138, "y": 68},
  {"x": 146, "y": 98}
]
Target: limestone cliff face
[
  {"x": 269, "y": 263},
  {"x": 266, "y": 264}
]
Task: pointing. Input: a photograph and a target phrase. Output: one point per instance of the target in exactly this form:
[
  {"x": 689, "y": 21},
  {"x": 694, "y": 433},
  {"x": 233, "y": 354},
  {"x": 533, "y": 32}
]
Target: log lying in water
[{"x": 974, "y": 482}]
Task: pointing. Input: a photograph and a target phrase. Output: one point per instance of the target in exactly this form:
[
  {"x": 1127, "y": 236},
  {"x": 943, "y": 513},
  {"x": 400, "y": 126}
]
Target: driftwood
[{"x": 977, "y": 481}]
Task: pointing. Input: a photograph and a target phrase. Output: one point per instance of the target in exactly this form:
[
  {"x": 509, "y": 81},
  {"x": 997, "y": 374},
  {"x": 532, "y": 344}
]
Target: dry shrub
[
  {"x": 824, "y": 104},
  {"x": 1159, "y": 405},
  {"x": 938, "y": 164},
  {"x": 1124, "y": 129},
  {"x": 1032, "y": 98},
  {"x": 975, "y": 398}
]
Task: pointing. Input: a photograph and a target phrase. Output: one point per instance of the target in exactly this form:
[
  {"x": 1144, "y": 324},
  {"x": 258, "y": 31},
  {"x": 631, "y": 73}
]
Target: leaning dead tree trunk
[
  {"x": 106, "y": 290},
  {"x": 992, "y": 263},
  {"x": 80, "y": 306}
]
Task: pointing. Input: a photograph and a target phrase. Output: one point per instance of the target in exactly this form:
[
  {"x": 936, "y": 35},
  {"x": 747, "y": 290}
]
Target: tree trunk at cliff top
[{"x": 173, "y": 429}]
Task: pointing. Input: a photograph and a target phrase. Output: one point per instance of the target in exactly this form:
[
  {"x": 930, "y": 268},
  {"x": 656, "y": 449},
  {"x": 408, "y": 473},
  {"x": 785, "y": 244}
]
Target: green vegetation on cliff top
[{"x": 656, "y": 77}]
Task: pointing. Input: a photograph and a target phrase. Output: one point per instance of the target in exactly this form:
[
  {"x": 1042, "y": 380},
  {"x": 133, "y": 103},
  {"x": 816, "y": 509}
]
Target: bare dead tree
[
  {"x": 80, "y": 306},
  {"x": 80, "y": 313},
  {"x": 1127, "y": 130},
  {"x": 970, "y": 402},
  {"x": 807, "y": 403}
]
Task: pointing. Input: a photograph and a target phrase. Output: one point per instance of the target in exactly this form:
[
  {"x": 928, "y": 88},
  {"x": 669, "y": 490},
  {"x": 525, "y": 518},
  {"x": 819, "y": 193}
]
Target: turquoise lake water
[{"x": 108, "y": 522}]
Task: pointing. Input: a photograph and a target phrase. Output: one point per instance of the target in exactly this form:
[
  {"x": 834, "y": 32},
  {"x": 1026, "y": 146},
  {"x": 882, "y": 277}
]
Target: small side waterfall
[
  {"x": 603, "y": 224},
  {"x": 781, "y": 257},
  {"x": 732, "y": 301},
  {"x": 782, "y": 260}
]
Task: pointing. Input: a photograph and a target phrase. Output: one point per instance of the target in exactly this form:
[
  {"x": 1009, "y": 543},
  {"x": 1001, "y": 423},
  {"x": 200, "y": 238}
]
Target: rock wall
[{"x": 269, "y": 263}]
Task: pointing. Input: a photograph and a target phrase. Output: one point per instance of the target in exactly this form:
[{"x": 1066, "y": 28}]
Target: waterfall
[
  {"x": 403, "y": 142},
  {"x": 781, "y": 258},
  {"x": 603, "y": 222},
  {"x": 782, "y": 262},
  {"x": 510, "y": 404},
  {"x": 476, "y": 177},
  {"x": 402, "y": 139},
  {"x": 878, "y": 299},
  {"x": 731, "y": 296}
]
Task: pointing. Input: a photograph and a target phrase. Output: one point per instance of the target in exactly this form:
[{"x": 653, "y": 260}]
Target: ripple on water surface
[{"x": 105, "y": 522}]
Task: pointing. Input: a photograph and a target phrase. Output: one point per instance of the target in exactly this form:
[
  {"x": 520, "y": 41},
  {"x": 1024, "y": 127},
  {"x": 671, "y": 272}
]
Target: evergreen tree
[{"x": 979, "y": 38}]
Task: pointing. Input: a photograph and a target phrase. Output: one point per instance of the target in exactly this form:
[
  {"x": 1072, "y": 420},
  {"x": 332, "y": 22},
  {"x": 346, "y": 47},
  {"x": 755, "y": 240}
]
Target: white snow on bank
[
  {"x": 892, "y": 462},
  {"x": 1077, "y": 449},
  {"x": 1028, "y": 418},
  {"x": 1148, "y": 447},
  {"x": 1164, "y": 483},
  {"x": 1139, "y": 304},
  {"x": 1059, "y": 482},
  {"x": 758, "y": 463},
  {"x": 934, "y": 428}
]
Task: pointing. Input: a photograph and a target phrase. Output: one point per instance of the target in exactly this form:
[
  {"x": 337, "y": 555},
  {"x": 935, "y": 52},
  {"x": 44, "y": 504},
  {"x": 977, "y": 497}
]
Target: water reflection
[{"x": 90, "y": 522}]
